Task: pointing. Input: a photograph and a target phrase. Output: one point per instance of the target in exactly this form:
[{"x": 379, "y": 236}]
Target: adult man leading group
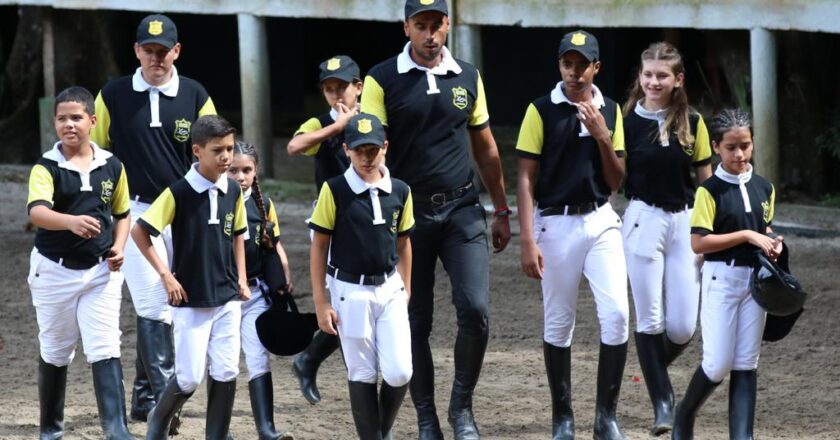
[{"x": 435, "y": 111}]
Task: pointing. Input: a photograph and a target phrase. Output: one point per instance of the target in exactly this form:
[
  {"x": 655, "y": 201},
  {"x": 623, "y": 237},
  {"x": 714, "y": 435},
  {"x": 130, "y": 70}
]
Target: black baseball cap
[
  {"x": 414, "y": 7},
  {"x": 582, "y": 42},
  {"x": 341, "y": 67},
  {"x": 157, "y": 28},
  {"x": 364, "y": 129}
]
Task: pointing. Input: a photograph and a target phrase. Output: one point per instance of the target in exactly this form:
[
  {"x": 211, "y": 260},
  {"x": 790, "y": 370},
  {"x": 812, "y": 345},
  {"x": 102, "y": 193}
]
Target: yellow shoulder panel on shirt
[
  {"x": 312, "y": 124},
  {"x": 272, "y": 217},
  {"x": 324, "y": 213},
  {"x": 99, "y": 134},
  {"x": 772, "y": 204},
  {"x": 373, "y": 100},
  {"x": 618, "y": 133},
  {"x": 702, "y": 147},
  {"x": 240, "y": 217},
  {"x": 162, "y": 211},
  {"x": 407, "y": 221},
  {"x": 207, "y": 109},
  {"x": 41, "y": 185},
  {"x": 479, "y": 113},
  {"x": 120, "y": 201},
  {"x": 704, "y": 210},
  {"x": 531, "y": 132}
]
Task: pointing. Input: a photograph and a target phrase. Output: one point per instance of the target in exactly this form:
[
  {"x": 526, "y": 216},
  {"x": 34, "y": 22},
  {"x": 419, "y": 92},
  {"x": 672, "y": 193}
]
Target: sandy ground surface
[{"x": 798, "y": 390}]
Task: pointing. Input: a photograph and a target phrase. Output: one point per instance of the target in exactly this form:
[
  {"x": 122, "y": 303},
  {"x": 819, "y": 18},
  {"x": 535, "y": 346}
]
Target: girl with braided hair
[
  {"x": 262, "y": 221},
  {"x": 666, "y": 141}
]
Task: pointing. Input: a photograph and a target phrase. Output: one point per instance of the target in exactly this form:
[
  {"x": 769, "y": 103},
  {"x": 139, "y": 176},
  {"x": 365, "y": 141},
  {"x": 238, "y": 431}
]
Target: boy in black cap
[
  {"x": 362, "y": 220},
  {"x": 145, "y": 119},
  {"x": 323, "y": 136},
  {"x": 570, "y": 159}
]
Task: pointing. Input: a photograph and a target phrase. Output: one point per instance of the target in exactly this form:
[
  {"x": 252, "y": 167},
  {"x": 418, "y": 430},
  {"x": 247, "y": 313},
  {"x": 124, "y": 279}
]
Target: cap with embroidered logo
[
  {"x": 364, "y": 129},
  {"x": 582, "y": 42},
  {"x": 157, "y": 29},
  {"x": 414, "y": 7},
  {"x": 341, "y": 67}
]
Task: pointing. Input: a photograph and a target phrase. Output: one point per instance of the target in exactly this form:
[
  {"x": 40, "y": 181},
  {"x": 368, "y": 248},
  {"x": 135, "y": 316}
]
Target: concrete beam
[
  {"x": 256, "y": 91},
  {"x": 765, "y": 103},
  {"x": 467, "y": 41}
]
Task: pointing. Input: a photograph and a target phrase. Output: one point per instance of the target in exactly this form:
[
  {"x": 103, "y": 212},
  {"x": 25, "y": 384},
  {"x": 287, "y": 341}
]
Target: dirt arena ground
[{"x": 798, "y": 392}]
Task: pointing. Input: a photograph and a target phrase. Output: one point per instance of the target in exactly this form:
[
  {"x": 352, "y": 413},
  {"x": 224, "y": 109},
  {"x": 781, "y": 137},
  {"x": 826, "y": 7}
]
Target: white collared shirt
[
  {"x": 359, "y": 186},
  {"x": 447, "y": 64},
  {"x": 169, "y": 88},
  {"x": 558, "y": 96},
  {"x": 100, "y": 158},
  {"x": 740, "y": 180}
]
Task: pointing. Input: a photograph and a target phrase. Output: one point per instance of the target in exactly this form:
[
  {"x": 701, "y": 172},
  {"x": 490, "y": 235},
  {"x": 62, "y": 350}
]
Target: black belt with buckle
[
  {"x": 365, "y": 280},
  {"x": 74, "y": 263},
  {"x": 740, "y": 262},
  {"x": 671, "y": 209},
  {"x": 253, "y": 282},
  {"x": 579, "y": 209},
  {"x": 443, "y": 197}
]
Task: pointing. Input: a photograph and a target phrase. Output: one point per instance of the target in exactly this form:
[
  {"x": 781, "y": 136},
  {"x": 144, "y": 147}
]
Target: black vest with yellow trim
[
  {"x": 357, "y": 245},
  {"x": 427, "y": 133},
  {"x": 330, "y": 160},
  {"x": 253, "y": 249},
  {"x": 731, "y": 216},
  {"x": 570, "y": 165},
  {"x": 656, "y": 174}
]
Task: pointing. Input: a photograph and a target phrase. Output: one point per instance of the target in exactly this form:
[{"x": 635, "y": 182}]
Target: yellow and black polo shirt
[
  {"x": 330, "y": 159},
  {"x": 253, "y": 251},
  {"x": 661, "y": 174},
  {"x": 154, "y": 157},
  {"x": 202, "y": 235},
  {"x": 720, "y": 208},
  {"x": 363, "y": 242},
  {"x": 101, "y": 192},
  {"x": 427, "y": 114},
  {"x": 570, "y": 164}
]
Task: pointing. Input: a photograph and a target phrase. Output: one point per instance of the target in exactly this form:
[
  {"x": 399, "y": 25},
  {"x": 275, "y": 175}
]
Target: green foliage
[{"x": 829, "y": 138}]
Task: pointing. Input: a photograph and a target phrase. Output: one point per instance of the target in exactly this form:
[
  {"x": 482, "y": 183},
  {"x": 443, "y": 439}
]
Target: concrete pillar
[
  {"x": 256, "y": 93},
  {"x": 467, "y": 40},
  {"x": 46, "y": 104},
  {"x": 765, "y": 106}
]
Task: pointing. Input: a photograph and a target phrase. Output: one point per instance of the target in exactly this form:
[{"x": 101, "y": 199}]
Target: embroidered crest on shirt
[
  {"x": 107, "y": 191},
  {"x": 688, "y": 149},
  {"x": 459, "y": 97},
  {"x": 155, "y": 27},
  {"x": 258, "y": 234},
  {"x": 182, "y": 130},
  {"x": 333, "y": 64},
  {"x": 578, "y": 39},
  {"x": 365, "y": 126},
  {"x": 394, "y": 219},
  {"x": 765, "y": 208},
  {"x": 228, "y": 223}
]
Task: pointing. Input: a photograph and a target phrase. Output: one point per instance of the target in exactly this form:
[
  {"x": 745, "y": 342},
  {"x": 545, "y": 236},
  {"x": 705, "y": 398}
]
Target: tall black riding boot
[
  {"x": 261, "y": 390},
  {"x": 52, "y": 383},
  {"x": 651, "y": 351},
  {"x": 142, "y": 396},
  {"x": 611, "y": 362},
  {"x": 673, "y": 350},
  {"x": 699, "y": 389},
  {"x": 305, "y": 365},
  {"x": 110, "y": 398},
  {"x": 469, "y": 356},
  {"x": 742, "y": 389},
  {"x": 219, "y": 408},
  {"x": 160, "y": 417},
  {"x": 365, "y": 406},
  {"x": 156, "y": 347},
  {"x": 558, "y": 366},
  {"x": 390, "y": 401},
  {"x": 422, "y": 387}
]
